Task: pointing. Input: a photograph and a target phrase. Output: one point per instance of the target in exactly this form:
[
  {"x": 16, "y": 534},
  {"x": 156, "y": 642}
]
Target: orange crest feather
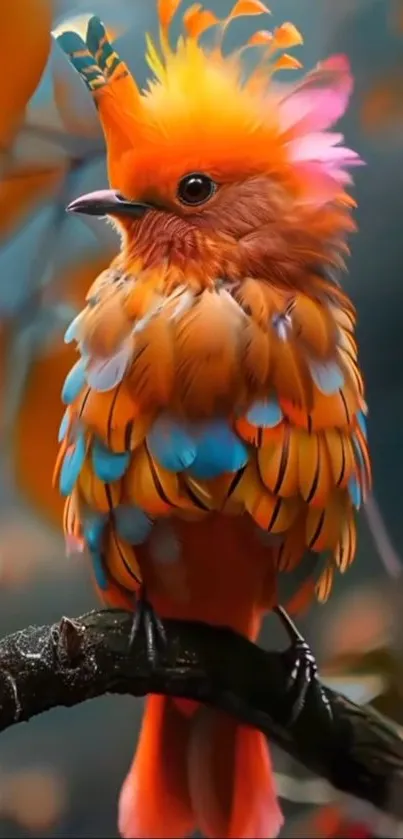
[{"x": 199, "y": 111}]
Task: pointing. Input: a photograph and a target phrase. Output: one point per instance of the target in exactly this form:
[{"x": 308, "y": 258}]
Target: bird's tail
[{"x": 197, "y": 768}]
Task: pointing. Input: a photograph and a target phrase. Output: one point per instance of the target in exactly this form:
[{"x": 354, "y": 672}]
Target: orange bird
[{"x": 213, "y": 450}]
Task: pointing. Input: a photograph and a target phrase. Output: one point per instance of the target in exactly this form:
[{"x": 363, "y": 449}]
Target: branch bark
[{"x": 353, "y": 747}]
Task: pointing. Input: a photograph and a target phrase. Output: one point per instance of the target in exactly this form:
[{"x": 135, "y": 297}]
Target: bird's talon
[
  {"x": 147, "y": 621},
  {"x": 302, "y": 668}
]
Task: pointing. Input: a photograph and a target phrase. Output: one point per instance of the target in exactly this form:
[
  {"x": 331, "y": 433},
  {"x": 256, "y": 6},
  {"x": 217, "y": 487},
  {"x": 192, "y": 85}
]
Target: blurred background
[{"x": 60, "y": 774}]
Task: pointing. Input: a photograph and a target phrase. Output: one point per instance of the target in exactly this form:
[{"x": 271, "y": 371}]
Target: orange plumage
[{"x": 214, "y": 443}]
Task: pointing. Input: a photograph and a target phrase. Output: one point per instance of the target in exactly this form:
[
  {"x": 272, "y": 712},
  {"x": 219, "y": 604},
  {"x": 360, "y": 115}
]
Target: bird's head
[{"x": 209, "y": 167}]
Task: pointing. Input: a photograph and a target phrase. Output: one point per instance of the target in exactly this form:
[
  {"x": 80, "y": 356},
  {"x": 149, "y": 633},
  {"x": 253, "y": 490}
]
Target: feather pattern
[
  {"x": 73, "y": 330},
  {"x": 206, "y": 354},
  {"x": 345, "y": 549},
  {"x": 319, "y": 100},
  {"x": 270, "y": 512},
  {"x": 94, "y": 529},
  {"x": 219, "y": 450},
  {"x": 104, "y": 374},
  {"x": 291, "y": 376},
  {"x": 323, "y": 524},
  {"x": 172, "y": 444},
  {"x": 74, "y": 383},
  {"x": 98, "y": 567},
  {"x": 72, "y": 464},
  {"x": 122, "y": 562},
  {"x": 98, "y": 495},
  {"x": 108, "y": 466},
  {"x": 292, "y": 547},
  {"x": 295, "y": 457},
  {"x": 355, "y": 491},
  {"x": 152, "y": 372},
  {"x": 278, "y": 463},
  {"x": 114, "y": 417},
  {"x": 151, "y": 487},
  {"x": 291, "y": 586},
  {"x": 325, "y": 583},
  {"x": 360, "y": 446},
  {"x": 328, "y": 377},
  {"x": 327, "y": 411},
  {"x": 265, "y": 414},
  {"x": 314, "y": 324},
  {"x": 132, "y": 524},
  {"x": 64, "y": 426},
  {"x": 72, "y": 524},
  {"x": 256, "y": 355}
]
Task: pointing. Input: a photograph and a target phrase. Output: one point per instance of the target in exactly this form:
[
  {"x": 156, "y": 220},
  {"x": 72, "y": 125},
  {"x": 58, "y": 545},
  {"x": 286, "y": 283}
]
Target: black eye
[{"x": 195, "y": 189}]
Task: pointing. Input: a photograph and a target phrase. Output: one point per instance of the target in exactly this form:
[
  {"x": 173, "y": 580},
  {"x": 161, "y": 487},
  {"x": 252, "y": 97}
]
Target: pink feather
[
  {"x": 322, "y": 149},
  {"x": 314, "y": 146},
  {"x": 306, "y": 112},
  {"x": 319, "y": 100}
]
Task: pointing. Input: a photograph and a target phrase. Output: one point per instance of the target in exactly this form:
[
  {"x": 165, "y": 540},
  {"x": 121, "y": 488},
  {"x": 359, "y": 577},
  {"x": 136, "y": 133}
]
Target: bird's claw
[
  {"x": 303, "y": 671},
  {"x": 147, "y": 622}
]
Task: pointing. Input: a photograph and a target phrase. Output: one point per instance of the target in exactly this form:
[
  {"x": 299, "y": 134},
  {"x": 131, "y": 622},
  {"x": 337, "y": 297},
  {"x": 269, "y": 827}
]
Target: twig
[{"x": 352, "y": 747}]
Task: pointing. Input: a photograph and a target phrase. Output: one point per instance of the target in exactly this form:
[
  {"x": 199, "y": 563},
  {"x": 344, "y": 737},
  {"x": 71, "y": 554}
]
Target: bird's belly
[{"x": 216, "y": 570}]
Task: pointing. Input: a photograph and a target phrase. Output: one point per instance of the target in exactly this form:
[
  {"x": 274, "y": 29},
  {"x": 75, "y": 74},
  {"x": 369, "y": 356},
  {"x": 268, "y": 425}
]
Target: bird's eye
[{"x": 195, "y": 189}]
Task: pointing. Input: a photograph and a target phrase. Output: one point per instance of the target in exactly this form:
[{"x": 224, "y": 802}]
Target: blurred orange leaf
[
  {"x": 22, "y": 189},
  {"x": 26, "y": 545},
  {"x": 25, "y": 45},
  {"x": 362, "y": 621},
  {"x": 35, "y": 799},
  {"x": 383, "y": 102},
  {"x": 35, "y": 443}
]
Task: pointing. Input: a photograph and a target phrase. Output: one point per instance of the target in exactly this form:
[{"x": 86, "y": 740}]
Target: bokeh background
[{"x": 60, "y": 774}]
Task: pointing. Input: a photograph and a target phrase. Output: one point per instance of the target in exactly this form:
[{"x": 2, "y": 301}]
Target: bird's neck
[{"x": 169, "y": 244}]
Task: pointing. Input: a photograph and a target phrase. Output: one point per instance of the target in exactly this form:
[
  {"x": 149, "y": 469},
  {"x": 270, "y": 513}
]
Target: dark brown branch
[{"x": 65, "y": 664}]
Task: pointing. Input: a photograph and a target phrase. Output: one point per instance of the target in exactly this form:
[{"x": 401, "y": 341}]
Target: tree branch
[{"x": 352, "y": 747}]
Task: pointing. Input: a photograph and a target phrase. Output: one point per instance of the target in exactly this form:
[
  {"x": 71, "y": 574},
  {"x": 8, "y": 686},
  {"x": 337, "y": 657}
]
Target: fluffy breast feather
[{"x": 205, "y": 352}]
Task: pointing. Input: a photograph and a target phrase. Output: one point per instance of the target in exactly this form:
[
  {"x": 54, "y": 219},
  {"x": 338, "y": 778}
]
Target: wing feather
[{"x": 309, "y": 461}]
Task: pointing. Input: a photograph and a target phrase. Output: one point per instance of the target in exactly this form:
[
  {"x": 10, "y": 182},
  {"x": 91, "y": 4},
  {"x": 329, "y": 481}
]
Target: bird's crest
[{"x": 197, "y": 89}]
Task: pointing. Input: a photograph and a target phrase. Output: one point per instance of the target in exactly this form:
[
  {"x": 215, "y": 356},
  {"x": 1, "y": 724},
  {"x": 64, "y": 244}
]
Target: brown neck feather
[{"x": 249, "y": 231}]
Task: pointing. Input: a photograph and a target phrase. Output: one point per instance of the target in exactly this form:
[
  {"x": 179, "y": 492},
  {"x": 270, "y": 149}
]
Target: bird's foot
[
  {"x": 303, "y": 672},
  {"x": 147, "y": 622}
]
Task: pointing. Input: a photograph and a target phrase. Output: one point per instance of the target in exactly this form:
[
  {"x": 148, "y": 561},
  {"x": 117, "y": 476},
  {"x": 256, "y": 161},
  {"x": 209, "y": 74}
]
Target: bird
[{"x": 213, "y": 452}]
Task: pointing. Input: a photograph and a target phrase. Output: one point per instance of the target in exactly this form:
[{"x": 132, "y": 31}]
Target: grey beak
[{"x": 107, "y": 202}]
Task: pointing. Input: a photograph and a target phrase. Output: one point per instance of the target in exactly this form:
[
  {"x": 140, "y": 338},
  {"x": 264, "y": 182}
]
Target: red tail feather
[{"x": 202, "y": 771}]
